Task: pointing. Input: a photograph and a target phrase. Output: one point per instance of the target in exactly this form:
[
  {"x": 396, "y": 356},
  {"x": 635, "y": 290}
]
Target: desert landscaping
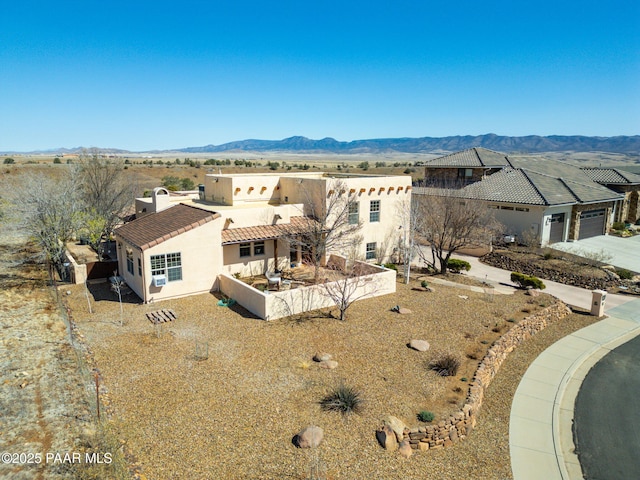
[{"x": 218, "y": 391}]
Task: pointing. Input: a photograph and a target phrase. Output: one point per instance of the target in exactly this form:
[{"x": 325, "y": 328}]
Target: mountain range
[{"x": 526, "y": 144}]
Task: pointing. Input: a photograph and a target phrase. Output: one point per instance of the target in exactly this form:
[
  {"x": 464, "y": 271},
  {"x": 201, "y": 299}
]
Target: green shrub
[
  {"x": 391, "y": 266},
  {"x": 424, "y": 284},
  {"x": 457, "y": 266},
  {"x": 624, "y": 274},
  {"x": 445, "y": 365},
  {"x": 9, "y": 161},
  {"x": 57, "y": 160},
  {"x": 618, "y": 226},
  {"x": 343, "y": 399},
  {"x": 426, "y": 416},
  {"x": 525, "y": 281}
]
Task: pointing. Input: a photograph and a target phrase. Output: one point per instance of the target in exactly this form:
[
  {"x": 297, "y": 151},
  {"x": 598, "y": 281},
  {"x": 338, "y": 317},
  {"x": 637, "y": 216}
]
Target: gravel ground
[
  {"x": 43, "y": 405},
  {"x": 234, "y": 414}
]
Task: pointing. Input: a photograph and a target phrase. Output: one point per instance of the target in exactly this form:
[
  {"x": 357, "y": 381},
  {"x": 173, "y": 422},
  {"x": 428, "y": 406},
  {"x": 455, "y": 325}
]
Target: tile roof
[
  {"x": 612, "y": 176},
  {"x": 265, "y": 232},
  {"x": 472, "y": 157},
  {"x": 531, "y": 188},
  {"x": 155, "y": 228}
]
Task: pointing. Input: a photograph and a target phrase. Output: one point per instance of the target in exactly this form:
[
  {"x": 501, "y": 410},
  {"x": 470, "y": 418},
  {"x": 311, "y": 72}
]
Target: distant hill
[{"x": 528, "y": 144}]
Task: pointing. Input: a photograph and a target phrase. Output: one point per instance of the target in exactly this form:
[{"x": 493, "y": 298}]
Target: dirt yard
[
  {"x": 234, "y": 414},
  {"x": 42, "y": 402}
]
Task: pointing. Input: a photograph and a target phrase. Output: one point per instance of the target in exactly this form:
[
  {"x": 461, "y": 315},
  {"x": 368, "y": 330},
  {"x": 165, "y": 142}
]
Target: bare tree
[
  {"x": 48, "y": 209},
  {"x": 348, "y": 282},
  {"x": 329, "y": 225},
  {"x": 447, "y": 222},
  {"x": 106, "y": 193}
]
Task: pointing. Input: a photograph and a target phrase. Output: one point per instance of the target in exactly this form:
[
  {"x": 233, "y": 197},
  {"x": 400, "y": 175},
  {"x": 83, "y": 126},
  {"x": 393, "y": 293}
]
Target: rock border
[{"x": 460, "y": 424}]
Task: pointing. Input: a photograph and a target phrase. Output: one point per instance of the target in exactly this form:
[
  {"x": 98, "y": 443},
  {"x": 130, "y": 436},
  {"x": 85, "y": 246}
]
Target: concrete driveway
[{"x": 624, "y": 252}]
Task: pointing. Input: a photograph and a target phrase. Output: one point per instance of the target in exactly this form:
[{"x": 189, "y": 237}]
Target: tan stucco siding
[{"x": 201, "y": 256}]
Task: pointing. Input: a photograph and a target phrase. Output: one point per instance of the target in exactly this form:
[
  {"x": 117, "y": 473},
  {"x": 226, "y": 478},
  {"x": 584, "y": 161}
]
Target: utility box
[{"x": 598, "y": 298}]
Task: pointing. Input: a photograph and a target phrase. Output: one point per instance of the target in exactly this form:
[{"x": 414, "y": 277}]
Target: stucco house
[
  {"x": 537, "y": 197},
  {"x": 239, "y": 225}
]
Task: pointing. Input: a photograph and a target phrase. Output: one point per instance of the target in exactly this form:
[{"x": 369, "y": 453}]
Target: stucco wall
[
  {"x": 201, "y": 257},
  {"x": 255, "y": 265},
  {"x": 278, "y": 304}
]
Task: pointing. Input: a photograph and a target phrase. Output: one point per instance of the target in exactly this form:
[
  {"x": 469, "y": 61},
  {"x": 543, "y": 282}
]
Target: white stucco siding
[
  {"x": 546, "y": 222},
  {"x": 519, "y": 219}
]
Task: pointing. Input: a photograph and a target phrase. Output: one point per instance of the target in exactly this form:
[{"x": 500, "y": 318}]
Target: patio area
[{"x": 293, "y": 292}]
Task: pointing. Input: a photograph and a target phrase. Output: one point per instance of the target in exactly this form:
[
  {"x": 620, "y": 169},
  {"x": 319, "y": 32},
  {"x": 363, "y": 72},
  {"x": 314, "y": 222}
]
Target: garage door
[
  {"x": 557, "y": 228},
  {"x": 591, "y": 224}
]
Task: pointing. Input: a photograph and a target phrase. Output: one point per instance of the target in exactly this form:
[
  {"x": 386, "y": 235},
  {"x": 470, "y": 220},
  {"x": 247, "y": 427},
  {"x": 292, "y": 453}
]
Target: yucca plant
[{"x": 344, "y": 399}]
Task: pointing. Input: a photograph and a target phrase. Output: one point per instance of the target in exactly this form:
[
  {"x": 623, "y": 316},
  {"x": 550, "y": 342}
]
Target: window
[
  {"x": 258, "y": 248},
  {"x": 139, "y": 266},
  {"x": 465, "y": 173},
  {"x": 174, "y": 267},
  {"x": 245, "y": 249},
  {"x": 521, "y": 209},
  {"x": 374, "y": 211},
  {"x": 371, "y": 251},
  {"x": 354, "y": 213},
  {"x": 169, "y": 264},
  {"x": 130, "y": 261}
]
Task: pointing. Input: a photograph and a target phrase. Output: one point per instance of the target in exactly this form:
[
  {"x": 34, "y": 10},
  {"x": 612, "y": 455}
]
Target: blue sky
[{"x": 144, "y": 75}]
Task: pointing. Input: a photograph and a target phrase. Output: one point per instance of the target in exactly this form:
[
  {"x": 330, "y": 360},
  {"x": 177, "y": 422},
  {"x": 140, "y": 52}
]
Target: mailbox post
[{"x": 598, "y": 298}]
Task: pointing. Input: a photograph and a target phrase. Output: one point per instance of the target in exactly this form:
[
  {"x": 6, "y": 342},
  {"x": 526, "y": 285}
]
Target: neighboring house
[
  {"x": 535, "y": 197},
  {"x": 623, "y": 182},
  {"x": 239, "y": 225}
]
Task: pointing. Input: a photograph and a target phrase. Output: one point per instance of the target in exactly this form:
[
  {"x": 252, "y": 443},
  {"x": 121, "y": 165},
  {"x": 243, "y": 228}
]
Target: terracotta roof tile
[
  {"x": 155, "y": 228},
  {"x": 264, "y": 232}
]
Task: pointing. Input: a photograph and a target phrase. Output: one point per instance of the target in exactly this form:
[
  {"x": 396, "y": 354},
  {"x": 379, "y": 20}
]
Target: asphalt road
[{"x": 606, "y": 425}]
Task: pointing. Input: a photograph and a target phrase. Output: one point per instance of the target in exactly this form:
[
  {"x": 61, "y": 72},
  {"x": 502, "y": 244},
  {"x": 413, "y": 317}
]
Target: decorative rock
[
  {"x": 404, "y": 311},
  {"x": 322, "y": 357},
  {"x": 423, "y": 446},
  {"x": 532, "y": 292},
  {"x": 396, "y": 425},
  {"x": 405, "y": 449},
  {"x": 387, "y": 438},
  {"x": 419, "y": 345},
  {"x": 329, "y": 364},
  {"x": 310, "y": 437}
]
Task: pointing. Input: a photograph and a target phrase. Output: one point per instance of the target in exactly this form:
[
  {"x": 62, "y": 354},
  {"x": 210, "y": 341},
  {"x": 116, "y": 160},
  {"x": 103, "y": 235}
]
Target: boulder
[
  {"x": 419, "y": 345},
  {"x": 405, "y": 449},
  {"x": 396, "y": 425},
  {"x": 329, "y": 364},
  {"x": 387, "y": 438},
  {"x": 404, "y": 311},
  {"x": 322, "y": 357},
  {"x": 309, "y": 437}
]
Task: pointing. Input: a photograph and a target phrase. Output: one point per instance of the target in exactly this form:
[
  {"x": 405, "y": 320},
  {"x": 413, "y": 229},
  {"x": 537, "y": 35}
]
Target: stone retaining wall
[{"x": 459, "y": 425}]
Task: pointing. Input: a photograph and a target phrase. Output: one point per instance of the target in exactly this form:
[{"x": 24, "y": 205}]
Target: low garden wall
[
  {"x": 450, "y": 430},
  {"x": 272, "y": 305}
]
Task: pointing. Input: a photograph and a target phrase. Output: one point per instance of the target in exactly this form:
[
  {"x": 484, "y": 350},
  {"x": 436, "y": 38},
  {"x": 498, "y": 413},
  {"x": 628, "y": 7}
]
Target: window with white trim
[
  {"x": 371, "y": 251},
  {"x": 354, "y": 213},
  {"x": 169, "y": 264},
  {"x": 130, "y": 261},
  {"x": 374, "y": 211}
]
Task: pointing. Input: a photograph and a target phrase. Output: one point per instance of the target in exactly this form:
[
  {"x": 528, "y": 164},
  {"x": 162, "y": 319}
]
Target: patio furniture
[{"x": 273, "y": 279}]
